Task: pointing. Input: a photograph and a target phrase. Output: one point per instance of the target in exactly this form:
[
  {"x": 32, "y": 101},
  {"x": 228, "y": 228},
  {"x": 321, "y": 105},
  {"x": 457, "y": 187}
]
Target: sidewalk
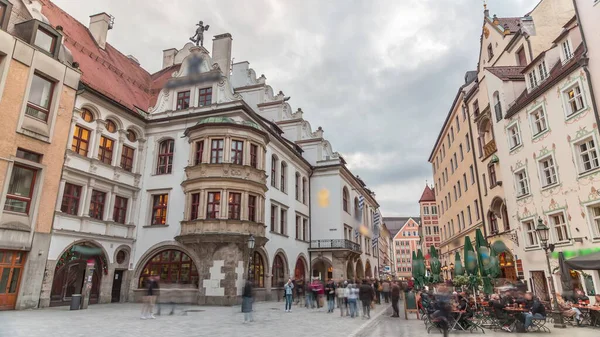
[{"x": 123, "y": 320}]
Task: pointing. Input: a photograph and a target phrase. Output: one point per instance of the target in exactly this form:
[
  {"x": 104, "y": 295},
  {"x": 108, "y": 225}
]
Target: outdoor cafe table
[
  {"x": 514, "y": 312},
  {"x": 455, "y": 319},
  {"x": 587, "y": 316}
]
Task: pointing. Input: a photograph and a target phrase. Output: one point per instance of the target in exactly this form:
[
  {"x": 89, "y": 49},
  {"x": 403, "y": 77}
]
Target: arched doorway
[
  {"x": 350, "y": 270},
  {"x": 300, "y": 270},
  {"x": 70, "y": 271},
  {"x": 172, "y": 266},
  {"x": 360, "y": 272},
  {"x": 507, "y": 266},
  {"x": 368, "y": 269},
  {"x": 278, "y": 271},
  {"x": 322, "y": 269}
]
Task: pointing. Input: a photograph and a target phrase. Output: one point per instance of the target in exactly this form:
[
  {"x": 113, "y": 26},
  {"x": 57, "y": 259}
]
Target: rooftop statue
[{"x": 198, "y": 38}]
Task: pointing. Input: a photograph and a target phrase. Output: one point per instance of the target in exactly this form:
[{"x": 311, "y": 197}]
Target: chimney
[
  {"x": 169, "y": 57},
  {"x": 221, "y": 52},
  {"x": 99, "y": 25}
]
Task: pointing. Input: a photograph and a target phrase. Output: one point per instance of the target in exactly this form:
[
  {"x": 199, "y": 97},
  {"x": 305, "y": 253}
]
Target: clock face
[{"x": 486, "y": 32}]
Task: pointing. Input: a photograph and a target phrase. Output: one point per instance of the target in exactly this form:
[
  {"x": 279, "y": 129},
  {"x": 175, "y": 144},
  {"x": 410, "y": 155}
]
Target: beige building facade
[{"x": 37, "y": 85}]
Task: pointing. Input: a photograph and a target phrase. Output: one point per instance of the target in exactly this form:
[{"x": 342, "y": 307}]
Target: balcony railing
[
  {"x": 335, "y": 244},
  {"x": 489, "y": 148}
]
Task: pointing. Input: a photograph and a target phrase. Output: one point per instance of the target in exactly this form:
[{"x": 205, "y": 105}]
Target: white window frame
[
  {"x": 516, "y": 125},
  {"x": 567, "y": 101},
  {"x": 543, "y": 181},
  {"x": 532, "y": 121},
  {"x": 532, "y": 79},
  {"x": 426, "y": 210},
  {"x": 565, "y": 225},
  {"x": 594, "y": 228},
  {"x": 577, "y": 152},
  {"x": 566, "y": 57},
  {"x": 543, "y": 70},
  {"x": 518, "y": 181},
  {"x": 526, "y": 232}
]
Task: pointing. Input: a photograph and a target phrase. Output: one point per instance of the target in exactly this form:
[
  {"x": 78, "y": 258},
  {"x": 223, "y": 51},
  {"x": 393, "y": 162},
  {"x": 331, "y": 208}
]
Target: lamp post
[
  {"x": 451, "y": 268},
  {"x": 445, "y": 269},
  {"x": 543, "y": 233},
  {"x": 251, "y": 242}
]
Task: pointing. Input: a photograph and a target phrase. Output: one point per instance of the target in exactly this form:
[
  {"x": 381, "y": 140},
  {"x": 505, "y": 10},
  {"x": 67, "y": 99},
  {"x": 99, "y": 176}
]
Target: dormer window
[
  {"x": 45, "y": 40},
  {"x": 533, "y": 82},
  {"x": 542, "y": 70},
  {"x": 566, "y": 50},
  {"x": 5, "y": 10}
]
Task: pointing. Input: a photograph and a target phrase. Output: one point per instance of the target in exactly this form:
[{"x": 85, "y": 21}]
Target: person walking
[
  {"x": 378, "y": 290},
  {"x": 341, "y": 298},
  {"x": 289, "y": 288},
  {"x": 330, "y": 294},
  {"x": 150, "y": 298},
  {"x": 353, "y": 299},
  {"x": 366, "y": 295},
  {"x": 385, "y": 287},
  {"x": 395, "y": 292},
  {"x": 308, "y": 294},
  {"x": 247, "y": 302}
]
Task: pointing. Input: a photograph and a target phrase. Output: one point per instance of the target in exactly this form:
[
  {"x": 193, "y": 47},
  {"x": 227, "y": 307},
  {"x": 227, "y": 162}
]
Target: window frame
[
  {"x": 234, "y": 202},
  {"x": 492, "y": 175},
  {"x": 195, "y": 206},
  {"x": 120, "y": 210},
  {"x": 533, "y": 121},
  {"x": 554, "y": 230},
  {"x": 126, "y": 160},
  {"x": 217, "y": 150},
  {"x": 274, "y": 165},
  {"x": 159, "y": 208},
  {"x": 283, "y": 178},
  {"x": 516, "y": 126},
  {"x": 27, "y": 199},
  {"x": 213, "y": 207},
  {"x": 541, "y": 170},
  {"x": 530, "y": 233},
  {"x": 237, "y": 152},
  {"x": 594, "y": 220},
  {"x": 524, "y": 179},
  {"x": 252, "y": 207},
  {"x": 156, "y": 263},
  {"x": 105, "y": 152},
  {"x": 577, "y": 150},
  {"x": 44, "y": 110},
  {"x": 199, "y": 151},
  {"x": 97, "y": 204},
  {"x": 165, "y": 167},
  {"x": 567, "y": 100},
  {"x": 78, "y": 139},
  {"x": 72, "y": 200},
  {"x": 345, "y": 199},
  {"x": 4, "y": 19},
  {"x": 254, "y": 155},
  {"x": 182, "y": 98},
  {"x": 204, "y": 97},
  {"x": 283, "y": 220}
]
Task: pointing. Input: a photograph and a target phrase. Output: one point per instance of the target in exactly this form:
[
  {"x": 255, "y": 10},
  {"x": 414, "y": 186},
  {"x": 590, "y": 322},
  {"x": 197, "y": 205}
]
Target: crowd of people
[{"x": 352, "y": 297}]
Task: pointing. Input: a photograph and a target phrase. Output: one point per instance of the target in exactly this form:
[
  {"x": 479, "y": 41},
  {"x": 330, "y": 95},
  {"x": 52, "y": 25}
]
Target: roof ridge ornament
[{"x": 198, "y": 38}]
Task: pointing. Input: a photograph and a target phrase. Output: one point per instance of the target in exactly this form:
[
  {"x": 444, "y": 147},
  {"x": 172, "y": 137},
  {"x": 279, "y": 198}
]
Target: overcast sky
[{"x": 378, "y": 76}]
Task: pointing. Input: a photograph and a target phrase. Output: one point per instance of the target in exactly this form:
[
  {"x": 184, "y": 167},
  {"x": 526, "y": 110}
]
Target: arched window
[
  {"x": 356, "y": 208},
  {"x": 87, "y": 115},
  {"x": 505, "y": 218},
  {"x": 278, "y": 272},
  {"x": 345, "y": 197},
  {"x": 165, "y": 156},
  {"x": 131, "y": 135},
  {"x": 172, "y": 266},
  {"x": 304, "y": 189},
  {"x": 297, "y": 186},
  {"x": 111, "y": 126},
  {"x": 258, "y": 266},
  {"x": 493, "y": 223},
  {"x": 497, "y": 106},
  {"x": 274, "y": 171},
  {"x": 283, "y": 175}
]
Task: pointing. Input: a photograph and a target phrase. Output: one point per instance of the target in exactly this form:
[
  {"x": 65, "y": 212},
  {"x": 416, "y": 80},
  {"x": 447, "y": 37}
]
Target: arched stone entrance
[
  {"x": 70, "y": 270},
  {"x": 322, "y": 269},
  {"x": 300, "y": 269},
  {"x": 350, "y": 270},
  {"x": 368, "y": 269},
  {"x": 360, "y": 272}
]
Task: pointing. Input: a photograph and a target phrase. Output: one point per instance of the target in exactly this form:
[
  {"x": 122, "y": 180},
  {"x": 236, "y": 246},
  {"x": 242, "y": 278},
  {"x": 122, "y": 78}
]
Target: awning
[{"x": 585, "y": 262}]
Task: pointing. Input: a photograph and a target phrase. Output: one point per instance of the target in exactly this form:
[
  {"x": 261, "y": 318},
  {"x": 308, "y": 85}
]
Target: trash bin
[{"x": 75, "y": 301}]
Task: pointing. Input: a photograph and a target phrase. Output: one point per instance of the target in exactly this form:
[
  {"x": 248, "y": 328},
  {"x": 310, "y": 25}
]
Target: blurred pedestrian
[
  {"x": 395, "y": 292},
  {"x": 341, "y": 298},
  {"x": 150, "y": 298},
  {"x": 247, "y": 302},
  {"x": 289, "y": 288},
  {"x": 353, "y": 299},
  {"x": 330, "y": 294},
  {"x": 366, "y": 295}
]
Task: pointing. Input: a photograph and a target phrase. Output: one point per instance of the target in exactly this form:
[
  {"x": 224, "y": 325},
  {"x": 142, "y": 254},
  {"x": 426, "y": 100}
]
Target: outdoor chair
[{"x": 539, "y": 325}]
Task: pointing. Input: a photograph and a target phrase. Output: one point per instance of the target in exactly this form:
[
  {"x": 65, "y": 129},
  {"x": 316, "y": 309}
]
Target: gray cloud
[{"x": 379, "y": 76}]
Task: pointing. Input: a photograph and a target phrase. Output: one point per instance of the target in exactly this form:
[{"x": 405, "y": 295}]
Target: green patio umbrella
[
  {"x": 420, "y": 279},
  {"x": 483, "y": 261},
  {"x": 471, "y": 266},
  {"x": 414, "y": 265},
  {"x": 435, "y": 264},
  {"x": 458, "y": 266}
]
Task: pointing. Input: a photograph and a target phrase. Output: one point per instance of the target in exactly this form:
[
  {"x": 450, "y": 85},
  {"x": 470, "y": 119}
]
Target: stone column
[
  {"x": 95, "y": 138},
  {"x": 61, "y": 192},
  {"x": 138, "y": 156},
  {"x": 85, "y": 210}
]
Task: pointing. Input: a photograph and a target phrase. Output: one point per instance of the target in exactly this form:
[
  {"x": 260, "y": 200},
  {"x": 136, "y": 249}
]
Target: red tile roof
[
  {"x": 514, "y": 24},
  {"x": 507, "y": 73},
  {"x": 107, "y": 71},
  {"x": 428, "y": 194},
  {"x": 557, "y": 73}
]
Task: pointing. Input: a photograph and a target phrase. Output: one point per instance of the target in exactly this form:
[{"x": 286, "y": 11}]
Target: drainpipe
[
  {"x": 584, "y": 64},
  {"x": 477, "y": 174},
  {"x": 310, "y": 264}
]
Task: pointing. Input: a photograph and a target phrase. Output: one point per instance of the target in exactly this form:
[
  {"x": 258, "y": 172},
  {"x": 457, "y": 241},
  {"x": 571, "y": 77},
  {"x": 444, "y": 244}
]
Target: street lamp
[
  {"x": 543, "y": 233},
  {"x": 451, "y": 267},
  {"x": 251, "y": 242}
]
